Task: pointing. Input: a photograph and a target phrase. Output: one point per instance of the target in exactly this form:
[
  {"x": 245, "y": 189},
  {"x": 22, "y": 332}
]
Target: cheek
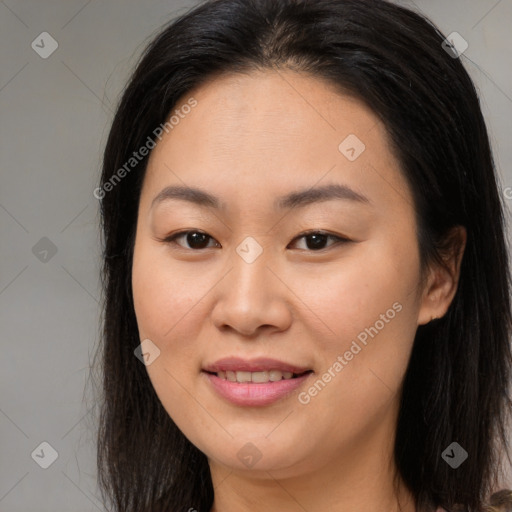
[
  {"x": 369, "y": 310},
  {"x": 167, "y": 308},
  {"x": 164, "y": 296},
  {"x": 354, "y": 292}
]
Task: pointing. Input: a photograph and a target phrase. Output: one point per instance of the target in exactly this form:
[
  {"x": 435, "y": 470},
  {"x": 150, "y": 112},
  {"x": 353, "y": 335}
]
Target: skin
[{"x": 250, "y": 139}]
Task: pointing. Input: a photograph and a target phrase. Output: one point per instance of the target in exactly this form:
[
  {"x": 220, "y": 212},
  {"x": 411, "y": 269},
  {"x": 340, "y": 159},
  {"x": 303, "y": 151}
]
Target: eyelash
[{"x": 339, "y": 240}]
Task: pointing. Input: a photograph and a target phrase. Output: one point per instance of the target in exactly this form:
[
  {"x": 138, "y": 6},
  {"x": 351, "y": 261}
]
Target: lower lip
[{"x": 255, "y": 394}]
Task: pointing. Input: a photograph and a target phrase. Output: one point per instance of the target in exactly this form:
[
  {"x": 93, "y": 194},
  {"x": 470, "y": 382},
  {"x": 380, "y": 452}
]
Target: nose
[{"x": 252, "y": 297}]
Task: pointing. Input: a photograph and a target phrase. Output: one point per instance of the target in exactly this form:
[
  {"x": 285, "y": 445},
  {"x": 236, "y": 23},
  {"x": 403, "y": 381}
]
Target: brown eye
[
  {"x": 196, "y": 240},
  {"x": 316, "y": 240}
]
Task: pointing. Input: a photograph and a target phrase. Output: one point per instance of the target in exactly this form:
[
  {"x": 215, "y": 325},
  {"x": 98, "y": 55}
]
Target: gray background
[{"x": 55, "y": 115}]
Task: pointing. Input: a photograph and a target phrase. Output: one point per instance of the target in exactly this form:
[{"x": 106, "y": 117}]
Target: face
[{"x": 269, "y": 268}]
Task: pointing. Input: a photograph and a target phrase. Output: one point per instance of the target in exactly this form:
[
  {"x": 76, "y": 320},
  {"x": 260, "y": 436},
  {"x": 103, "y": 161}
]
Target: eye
[
  {"x": 198, "y": 240},
  {"x": 317, "y": 239},
  {"x": 195, "y": 239}
]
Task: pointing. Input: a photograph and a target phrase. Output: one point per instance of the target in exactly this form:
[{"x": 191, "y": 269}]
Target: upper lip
[{"x": 260, "y": 364}]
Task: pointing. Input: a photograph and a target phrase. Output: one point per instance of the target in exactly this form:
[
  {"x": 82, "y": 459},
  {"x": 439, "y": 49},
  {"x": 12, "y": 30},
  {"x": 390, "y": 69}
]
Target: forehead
[{"x": 273, "y": 130}]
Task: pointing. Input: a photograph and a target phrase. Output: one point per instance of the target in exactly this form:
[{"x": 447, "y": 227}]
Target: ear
[{"x": 442, "y": 280}]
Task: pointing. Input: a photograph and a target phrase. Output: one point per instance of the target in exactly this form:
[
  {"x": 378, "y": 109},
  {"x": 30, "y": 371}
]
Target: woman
[{"x": 306, "y": 277}]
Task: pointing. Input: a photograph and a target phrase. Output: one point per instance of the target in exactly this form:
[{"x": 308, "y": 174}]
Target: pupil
[
  {"x": 195, "y": 238},
  {"x": 318, "y": 241}
]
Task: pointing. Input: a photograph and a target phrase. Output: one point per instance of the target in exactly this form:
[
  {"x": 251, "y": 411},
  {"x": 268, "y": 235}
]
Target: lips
[
  {"x": 262, "y": 364},
  {"x": 255, "y": 382},
  {"x": 250, "y": 394}
]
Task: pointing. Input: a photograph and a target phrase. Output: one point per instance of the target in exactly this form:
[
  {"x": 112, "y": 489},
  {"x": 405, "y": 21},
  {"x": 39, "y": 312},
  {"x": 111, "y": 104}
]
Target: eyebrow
[{"x": 292, "y": 200}]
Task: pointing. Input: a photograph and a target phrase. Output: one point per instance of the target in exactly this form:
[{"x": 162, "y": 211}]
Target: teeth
[
  {"x": 243, "y": 376},
  {"x": 258, "y": 377}
]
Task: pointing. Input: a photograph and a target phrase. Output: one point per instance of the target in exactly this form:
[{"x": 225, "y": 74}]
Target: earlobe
[{"x": 443, "y": 279}]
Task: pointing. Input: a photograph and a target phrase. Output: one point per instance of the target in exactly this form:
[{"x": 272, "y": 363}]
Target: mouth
[
  {"x": 258, "y": 392},
  {"x": 255, "y": 382},
  {"x": 259, "y": 377}
]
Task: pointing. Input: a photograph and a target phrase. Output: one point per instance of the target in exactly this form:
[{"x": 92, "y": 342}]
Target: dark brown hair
[{"x": 456, "y": 387}]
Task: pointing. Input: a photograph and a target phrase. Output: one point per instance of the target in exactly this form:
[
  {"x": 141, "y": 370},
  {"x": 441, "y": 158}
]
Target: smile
[
  {"x": 257, "y": 377},
  {"x": 252, "y": 389}
]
